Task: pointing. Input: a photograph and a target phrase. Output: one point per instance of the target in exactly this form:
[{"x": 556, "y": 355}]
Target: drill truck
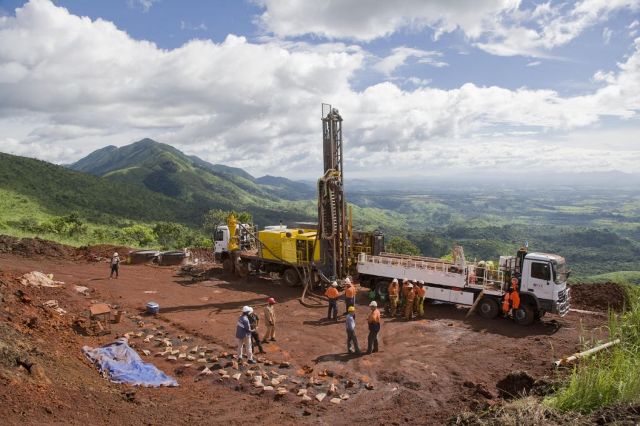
[
  {"x": 304, "y": 254},
  {"x": 540, "y": 281}
]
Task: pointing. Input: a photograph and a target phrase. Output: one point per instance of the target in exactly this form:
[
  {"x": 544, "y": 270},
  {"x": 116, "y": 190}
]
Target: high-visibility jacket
[
  {"x": 332, "y": 293},
  {"x": 410, "y": 295},
  {"x": 421, "y": 292},
  {"x": 350, "y": 291},
  {"x": 393, "y": 289},
  {"x": 405, "y": 289},
  {"x": 374, "y": 317}
]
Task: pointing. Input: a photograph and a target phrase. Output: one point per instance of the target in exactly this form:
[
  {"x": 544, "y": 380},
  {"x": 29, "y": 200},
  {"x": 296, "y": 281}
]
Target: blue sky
[{"x": 437, "y": 85}]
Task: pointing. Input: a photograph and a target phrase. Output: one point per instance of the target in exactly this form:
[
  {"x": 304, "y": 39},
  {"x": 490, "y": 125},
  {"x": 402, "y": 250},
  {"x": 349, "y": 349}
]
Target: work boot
[
  {"x": 273, "y": 339},
  {"x": 252, "y": 361}
]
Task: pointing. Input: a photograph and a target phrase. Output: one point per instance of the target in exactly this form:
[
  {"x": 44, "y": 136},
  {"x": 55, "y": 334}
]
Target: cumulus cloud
[
  {"x": 500, "y": 27},
  {"x": 368, "y": 20},
  {"x": 69, "y": 85},
  {"x": 399, "y": 56},
  {"x": 144, "y": 5}
]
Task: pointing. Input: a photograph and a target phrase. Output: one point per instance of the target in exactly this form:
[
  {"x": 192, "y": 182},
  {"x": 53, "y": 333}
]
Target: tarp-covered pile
[{"x": 123, "y": 365}]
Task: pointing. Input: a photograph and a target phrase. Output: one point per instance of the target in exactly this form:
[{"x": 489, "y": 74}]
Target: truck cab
[
  {"x": 543, "y": 283},
  {"x": 221, "y": 238}
]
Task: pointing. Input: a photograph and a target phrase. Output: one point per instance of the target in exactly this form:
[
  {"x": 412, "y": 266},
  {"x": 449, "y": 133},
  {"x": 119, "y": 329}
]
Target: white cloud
[
  {"x": 145, "y": 5},
  {"x": 400, "y": 55},
  {"x": 606, "y": 35},
  {"x": 72, "y": 85},
  {"x": 534, "y": 63},
  {"x": 368, "y": 20},
  {"x": 184, "y": 25},
  {"x": 500, "y": 27}
]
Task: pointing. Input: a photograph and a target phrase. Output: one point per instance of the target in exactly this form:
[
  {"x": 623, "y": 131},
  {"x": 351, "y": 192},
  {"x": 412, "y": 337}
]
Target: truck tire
[
  {"x": 290, "y": 276},
  {"x": 227, "y": 265},
  {"x": 525, "y": 315},
  {"x": 488, "y": 308},
  {"x": 242, "y": 270}
]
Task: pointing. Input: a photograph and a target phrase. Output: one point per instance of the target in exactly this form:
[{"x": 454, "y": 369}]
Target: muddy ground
[{"x": 427, "y": 371}]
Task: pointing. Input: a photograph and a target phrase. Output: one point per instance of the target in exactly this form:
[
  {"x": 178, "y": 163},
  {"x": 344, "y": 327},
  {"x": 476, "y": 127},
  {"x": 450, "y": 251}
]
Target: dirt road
[{"x": 426, "y": 371}]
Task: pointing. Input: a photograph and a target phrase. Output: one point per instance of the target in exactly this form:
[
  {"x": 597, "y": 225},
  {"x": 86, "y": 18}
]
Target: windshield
[
  {"x": 218, "y": 235},
  {"x": 560, "y": 271}
]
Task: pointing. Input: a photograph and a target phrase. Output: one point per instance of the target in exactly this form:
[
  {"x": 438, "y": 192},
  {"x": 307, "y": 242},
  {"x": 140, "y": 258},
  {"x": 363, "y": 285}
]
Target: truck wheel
[
  {"x": 525, "y": 315},
  {"x": 227, "y": 265},
  {"x": 488, "y": 308},
  {"x": 291, "y": 277},
  {"x": 242, "y": 270}
]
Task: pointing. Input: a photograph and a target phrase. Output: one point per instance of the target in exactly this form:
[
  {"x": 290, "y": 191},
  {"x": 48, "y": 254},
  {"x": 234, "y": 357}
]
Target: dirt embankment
[
  {"x": 599, "y": 297},
  {"x": 39, "y": 248}
]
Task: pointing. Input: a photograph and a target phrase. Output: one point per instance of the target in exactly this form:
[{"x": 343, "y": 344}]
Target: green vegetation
[
  {"x": 402, "y": 246},
  {"x": 609, "y": 377}
]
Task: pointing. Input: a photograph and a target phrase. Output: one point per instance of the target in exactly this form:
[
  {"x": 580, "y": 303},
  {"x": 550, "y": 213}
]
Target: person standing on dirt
[
  {"x": 333, "y": 295},
  {"x": 394, "y": 293},
  {"x": 351, "y": 330},
  {"x": 374, "y": 328},
  {"x": 254, "y": 320},
  {"x": 243, "y": 334},
  {"x": 421, "y": 293},
  {"x": 408, "y": 305},
  {"x": 349, "y": 294},
  {"x": 270, "y": 319},
  {"x": 403, "y": 293},
  {"x": 115, "y": 265}
]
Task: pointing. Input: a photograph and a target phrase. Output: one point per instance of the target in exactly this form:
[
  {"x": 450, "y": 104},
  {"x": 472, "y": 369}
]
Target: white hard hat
[
  {"x": 334, "y": 284},
  {"x": 395, "y": 280},
  {"x": 421, "y": 282},
  {"x": 115, "y": 254},
  {"x": 410, "y": 285},
  {"x": 247, "y": 309},
  {"x": 405, "y": 280},
  {"x": 347, "y": 280},
  {"x": 373, "y": 304}
]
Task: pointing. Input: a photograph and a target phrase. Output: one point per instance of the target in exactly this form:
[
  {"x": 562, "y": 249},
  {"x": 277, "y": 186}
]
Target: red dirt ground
[{"x": 426, "y": 371}]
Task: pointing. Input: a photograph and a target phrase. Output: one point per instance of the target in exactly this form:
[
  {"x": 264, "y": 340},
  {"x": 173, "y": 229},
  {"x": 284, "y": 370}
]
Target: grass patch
[{"x": 609, "y": 377}]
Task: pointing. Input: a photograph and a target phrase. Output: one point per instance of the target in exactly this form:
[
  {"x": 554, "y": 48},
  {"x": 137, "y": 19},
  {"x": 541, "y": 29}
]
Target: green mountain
[
  {"x": 55, "y": 190},
  {"x": 198, "y": 184}
]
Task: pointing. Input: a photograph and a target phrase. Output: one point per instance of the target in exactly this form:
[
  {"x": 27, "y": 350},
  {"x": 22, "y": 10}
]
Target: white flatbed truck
[{"x": 542, "y": 281}]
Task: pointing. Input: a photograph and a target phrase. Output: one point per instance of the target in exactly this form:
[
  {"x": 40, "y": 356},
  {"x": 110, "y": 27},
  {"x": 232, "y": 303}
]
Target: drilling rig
[{"x": 333, "y": 224}]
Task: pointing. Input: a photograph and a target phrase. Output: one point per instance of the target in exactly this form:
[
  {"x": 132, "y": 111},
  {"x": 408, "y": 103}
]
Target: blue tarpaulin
[{"x": 123, "y": 365}]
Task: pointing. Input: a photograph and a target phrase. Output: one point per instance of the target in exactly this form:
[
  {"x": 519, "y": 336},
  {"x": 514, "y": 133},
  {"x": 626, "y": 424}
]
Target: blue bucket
[{"x": 153, "y": 308}]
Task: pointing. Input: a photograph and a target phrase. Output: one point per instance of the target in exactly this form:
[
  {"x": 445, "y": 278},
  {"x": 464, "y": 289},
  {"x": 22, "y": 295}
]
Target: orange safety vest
[
  {"x": 393, "y": 289},
  {"x": 332, "y": 293},
  {"x": 374, "y": 317},
  {"x": 421, "y": 292},
  {"x": 350, "y": 291}
]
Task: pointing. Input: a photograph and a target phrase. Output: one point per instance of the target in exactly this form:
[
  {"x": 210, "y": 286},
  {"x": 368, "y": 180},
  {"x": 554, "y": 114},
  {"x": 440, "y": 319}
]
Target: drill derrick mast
[{"x": 333, "y": 224}]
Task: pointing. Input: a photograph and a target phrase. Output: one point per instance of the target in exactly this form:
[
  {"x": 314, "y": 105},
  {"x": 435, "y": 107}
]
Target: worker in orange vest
[
  {"x": 394, "y": 292},
  {"x": 408, "y": 305},
  {"x": 374, "y": 327},
  {"x": 403, "y": 293},
  {"x": 333, "y": 295},
  {"x": 421, "y": 293},
  {"x": 511, "y": 298},
  {"x": 349, "y": 295}
]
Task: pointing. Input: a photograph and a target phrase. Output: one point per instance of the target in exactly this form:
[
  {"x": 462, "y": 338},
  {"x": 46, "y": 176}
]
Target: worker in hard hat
[
  {"x": 115, "y": 265},
  {"x": 408, "y": 305},
  {"x": 243, "y": 334},
  {"x": 511, "y": 299},
  {"x": 254, "y": 320},
  {"x": 349, "y": 294},
  {"x": 403, "y": 293},
  {"x": 270, "y": 320},
  {"x": 333, "y": 295},
  {"x": 351, "y": 331},
  {"x": 420, "y": 293},
  {"x": 374, "y": 327},
  {"x": 394, "y": 293}
]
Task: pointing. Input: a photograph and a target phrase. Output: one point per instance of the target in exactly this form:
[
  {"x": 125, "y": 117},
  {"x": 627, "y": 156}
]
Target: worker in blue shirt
[
  {"x": 351, "y": 330},
  {"x": 243, "y": 334}
]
